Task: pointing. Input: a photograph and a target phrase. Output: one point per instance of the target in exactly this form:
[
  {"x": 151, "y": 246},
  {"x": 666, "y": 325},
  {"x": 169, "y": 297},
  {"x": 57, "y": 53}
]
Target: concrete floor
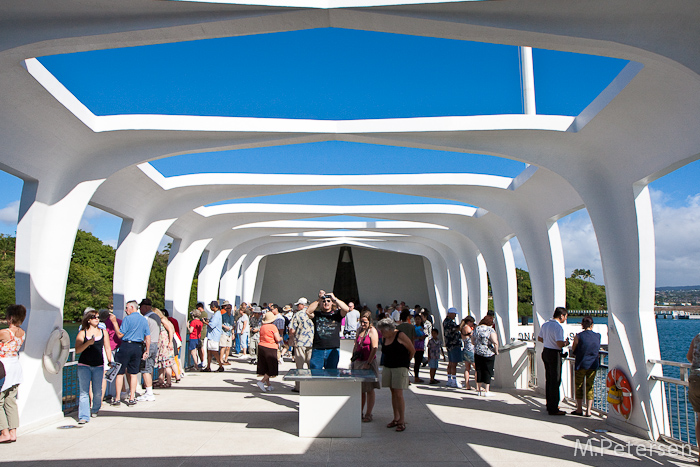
[{"x": 223, "y": 418}]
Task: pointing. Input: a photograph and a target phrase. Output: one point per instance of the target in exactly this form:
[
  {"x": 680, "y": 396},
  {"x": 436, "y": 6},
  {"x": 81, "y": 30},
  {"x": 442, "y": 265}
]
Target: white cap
[{"x": 303, "y": 301}]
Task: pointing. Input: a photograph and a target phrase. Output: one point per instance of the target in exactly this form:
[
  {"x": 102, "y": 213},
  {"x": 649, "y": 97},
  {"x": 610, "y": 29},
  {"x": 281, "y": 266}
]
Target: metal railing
[
  {"x": 677, "y": 408},
  {"x": 71, "y": 389},
  {"x": 600, "y": 402}
]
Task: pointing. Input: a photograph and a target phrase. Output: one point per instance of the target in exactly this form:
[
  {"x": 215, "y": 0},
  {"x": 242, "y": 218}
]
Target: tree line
[
  {"x": 90, "y": 276},
  {"x": 92, "y": 271}
]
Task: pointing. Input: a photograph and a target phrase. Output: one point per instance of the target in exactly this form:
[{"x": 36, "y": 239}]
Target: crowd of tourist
[{"x": 114, "y": 352}]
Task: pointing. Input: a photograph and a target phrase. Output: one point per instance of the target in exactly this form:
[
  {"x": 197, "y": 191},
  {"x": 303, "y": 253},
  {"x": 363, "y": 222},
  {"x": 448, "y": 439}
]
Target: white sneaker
[
  {"x": 270, "y": 388},
  {"x": 261, "y": 386},
  {"x": 486, "y": 394},
  {"x": 146, "y": 398}
]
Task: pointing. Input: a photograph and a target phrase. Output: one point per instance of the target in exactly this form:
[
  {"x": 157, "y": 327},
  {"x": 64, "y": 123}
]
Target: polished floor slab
[{"x": 224, "y": 418}]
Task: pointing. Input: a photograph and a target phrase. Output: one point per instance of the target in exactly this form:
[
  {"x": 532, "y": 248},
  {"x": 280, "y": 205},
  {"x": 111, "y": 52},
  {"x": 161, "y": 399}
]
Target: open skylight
[
  {"x": 336, "y": 158},
  {"x": 321, "y": 74}
]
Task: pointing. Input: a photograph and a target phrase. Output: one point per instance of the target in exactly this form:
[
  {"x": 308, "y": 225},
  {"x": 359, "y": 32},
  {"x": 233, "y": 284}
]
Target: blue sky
[{"x": 347, "y": 74}]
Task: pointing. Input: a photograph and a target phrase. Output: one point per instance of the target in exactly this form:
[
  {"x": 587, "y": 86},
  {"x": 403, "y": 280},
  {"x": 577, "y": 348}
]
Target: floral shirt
[
  {"x": 433, "y": 349},
  {"x": 482, "y": 342},
  {"x": 303, "y": 329},
  {"x": 11, "y": 347},
  {"x": 453, "y": 338}
]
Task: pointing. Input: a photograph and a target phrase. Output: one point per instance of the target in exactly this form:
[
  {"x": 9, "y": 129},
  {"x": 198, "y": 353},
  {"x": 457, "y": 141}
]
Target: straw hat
[{"x": 269, "y": 317}]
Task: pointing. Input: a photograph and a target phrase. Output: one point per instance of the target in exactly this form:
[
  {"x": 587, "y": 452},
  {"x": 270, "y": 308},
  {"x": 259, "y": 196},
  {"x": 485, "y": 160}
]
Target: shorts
[
  {"x": 579, "y": 377},
  {"x": 243, "y": 338},
  {"x": 454, "y": 355},
  {"x": 129, "y": 355},
  {"x": 225, "y": 341},
  {"x": 194, "y": 344},
  {"x": 433, "y": 363},
  {"x": 151, "y": 359},
  {"x": 467, "y": 356},
  {"x": 395, "y": 378},
  {"x": 694, "y": 392},
  {"x": 212, "y": 345}
]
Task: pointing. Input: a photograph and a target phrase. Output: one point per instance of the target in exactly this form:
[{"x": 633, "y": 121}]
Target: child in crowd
[{"x": 434, "y": 350}]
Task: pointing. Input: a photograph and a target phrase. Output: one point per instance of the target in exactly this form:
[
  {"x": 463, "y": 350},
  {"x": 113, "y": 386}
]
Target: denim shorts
[
  {"x": 468, "y": 356},
  {"x": 433, "y": 363},
  {"x": 454, "y": 355}
]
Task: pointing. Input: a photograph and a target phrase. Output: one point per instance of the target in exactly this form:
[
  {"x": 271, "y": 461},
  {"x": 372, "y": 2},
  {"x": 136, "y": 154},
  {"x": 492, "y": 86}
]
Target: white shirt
[
  {"x": 396, "y": 316},
  {"x": 352, "y": 320},
  {"x": 551, "y": 332},
  {"x": 242, "y": 326}
]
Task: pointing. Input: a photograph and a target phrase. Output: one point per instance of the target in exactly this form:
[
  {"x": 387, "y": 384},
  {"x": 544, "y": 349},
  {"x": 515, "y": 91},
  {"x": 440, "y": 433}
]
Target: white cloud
[
  {"x": 677, "y": 229},
  {"x": 580, "y": 245},
  {"x": 10, "y": 213}
]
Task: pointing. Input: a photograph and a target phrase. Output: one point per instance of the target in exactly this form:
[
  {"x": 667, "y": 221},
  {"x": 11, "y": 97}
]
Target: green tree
[
  {"x": 7, "y": 272},
  {"x": 90, "y": 276}
]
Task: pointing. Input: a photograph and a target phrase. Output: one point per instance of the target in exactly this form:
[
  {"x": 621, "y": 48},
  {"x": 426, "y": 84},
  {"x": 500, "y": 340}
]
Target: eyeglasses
[
  {"x": 328, "y": 300},
  {"x": 94, "y": 317}
]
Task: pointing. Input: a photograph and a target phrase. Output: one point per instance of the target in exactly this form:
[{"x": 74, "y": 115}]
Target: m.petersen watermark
[{"x": 604, "y": 446}]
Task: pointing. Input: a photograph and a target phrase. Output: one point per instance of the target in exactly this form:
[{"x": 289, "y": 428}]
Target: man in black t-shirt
[{"x": 326, "y": 347}]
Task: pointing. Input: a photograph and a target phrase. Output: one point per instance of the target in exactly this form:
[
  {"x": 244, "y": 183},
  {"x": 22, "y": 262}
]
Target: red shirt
[{"x": 196, "y": 325}]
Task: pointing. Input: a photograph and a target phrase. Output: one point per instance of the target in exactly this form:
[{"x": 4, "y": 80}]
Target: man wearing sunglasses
[{"x": 327, "y": 313}]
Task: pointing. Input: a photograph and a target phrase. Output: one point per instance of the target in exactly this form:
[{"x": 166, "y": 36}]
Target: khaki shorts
[
  {"x": 225, "y": 341},
  {"x": 211, "y": 345},
  {"x": 395, "y": 378}
]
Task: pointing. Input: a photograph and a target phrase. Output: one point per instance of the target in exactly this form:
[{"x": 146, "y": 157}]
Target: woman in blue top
[{"x": 586, "y": 349}]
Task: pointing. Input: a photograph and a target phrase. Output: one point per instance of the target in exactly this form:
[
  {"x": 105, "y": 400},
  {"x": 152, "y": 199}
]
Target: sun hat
[{"x": 269, "y": 317}]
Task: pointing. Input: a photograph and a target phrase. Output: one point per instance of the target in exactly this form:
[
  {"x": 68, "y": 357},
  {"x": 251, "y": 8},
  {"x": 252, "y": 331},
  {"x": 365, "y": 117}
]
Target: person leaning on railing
[{"x": 586, "y": 349}]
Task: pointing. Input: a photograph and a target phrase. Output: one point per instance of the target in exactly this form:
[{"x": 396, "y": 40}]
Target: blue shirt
[
  {"x": 214, "y": 326},
  {"x": 135, "y": 328},
  {"x": 227, "y": 319}
]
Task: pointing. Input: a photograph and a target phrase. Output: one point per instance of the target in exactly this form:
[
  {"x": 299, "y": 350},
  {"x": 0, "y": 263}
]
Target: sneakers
[
  {"x": 130, "y": 403},
  {"x": 269, "y": 388},
  {"x": 146, "y": 398},
  {"x": 261, "y": 385},
  {"x": 82, "y": 422},
  {"x": 93, "y": 415},
  {"x": 486, "y": 394}
]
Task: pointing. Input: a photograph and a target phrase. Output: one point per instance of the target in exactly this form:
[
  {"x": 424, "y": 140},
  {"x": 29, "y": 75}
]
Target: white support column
[
  {"x": 210, "y": 275},
  {"x": 622, "y": 218},
  {"x": 527, "y": 80},
  {"x": 179, "y": 275},
  {"x": 45, "y": 236},
  {"x": 510, "y": 324},
  {"x": 138, "y": 244},
  {"x": 541, "y": 244},
  {"x": 249, "y": 276}
]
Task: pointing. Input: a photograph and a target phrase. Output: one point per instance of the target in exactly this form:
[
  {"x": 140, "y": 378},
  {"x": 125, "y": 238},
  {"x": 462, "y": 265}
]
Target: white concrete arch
[{"x": 641, "y": 126}]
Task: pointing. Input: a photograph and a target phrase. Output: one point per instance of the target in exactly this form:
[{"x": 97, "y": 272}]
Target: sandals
[
  {"x": 367, "y": 418},
  {"x": 400, "y": 426},
  {"x": 392, "y": 424}
]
